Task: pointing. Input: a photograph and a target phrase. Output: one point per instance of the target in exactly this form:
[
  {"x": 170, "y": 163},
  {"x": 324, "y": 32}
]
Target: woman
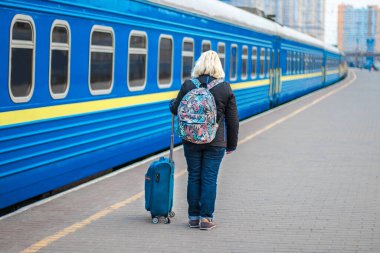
[{"x": 203, "y": 160}]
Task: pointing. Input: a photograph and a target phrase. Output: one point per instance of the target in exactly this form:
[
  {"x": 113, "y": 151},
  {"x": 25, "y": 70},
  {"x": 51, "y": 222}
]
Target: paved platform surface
[{"x": 305, "y": 178}]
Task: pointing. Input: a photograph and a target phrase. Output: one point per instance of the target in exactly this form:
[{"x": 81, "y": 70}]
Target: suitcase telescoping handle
[{"x": 171, "y": 140}]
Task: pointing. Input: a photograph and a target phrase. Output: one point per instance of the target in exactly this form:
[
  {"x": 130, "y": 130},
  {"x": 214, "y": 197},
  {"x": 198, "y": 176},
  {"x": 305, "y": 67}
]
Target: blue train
[{"x": 85, "y": 85}]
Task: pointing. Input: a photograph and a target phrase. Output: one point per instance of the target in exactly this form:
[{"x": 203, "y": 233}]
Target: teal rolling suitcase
[{"x": 159, "y": 184}]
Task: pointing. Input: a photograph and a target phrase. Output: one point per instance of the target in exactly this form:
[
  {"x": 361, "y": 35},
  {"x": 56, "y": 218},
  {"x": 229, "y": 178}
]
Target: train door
[
  {"x": 278, "y": 75},
  {"x": 324, "y": 70},
  {"x": 275, "y": 75},
  {"x": 271, "y": 78}
]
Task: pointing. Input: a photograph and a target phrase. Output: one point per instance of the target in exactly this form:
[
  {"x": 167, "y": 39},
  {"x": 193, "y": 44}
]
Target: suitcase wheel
[
  {"x": 155, "y": 220},
  {"x": 171, "y": 214},
  {"x": 167, "y": 220}
]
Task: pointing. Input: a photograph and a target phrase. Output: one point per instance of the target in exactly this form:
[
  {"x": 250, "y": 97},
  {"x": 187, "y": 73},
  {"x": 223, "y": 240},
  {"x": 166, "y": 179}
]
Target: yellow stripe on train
[
  {"x": 49, "y": 112},
  {"x": 302, "y": 76},
  {"x": 28, "y": 115}
]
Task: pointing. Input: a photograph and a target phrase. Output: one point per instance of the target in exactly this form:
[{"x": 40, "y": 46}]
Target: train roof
[
  {"x": 231, "y": 14},
  {"x": 223, "y": 12}
]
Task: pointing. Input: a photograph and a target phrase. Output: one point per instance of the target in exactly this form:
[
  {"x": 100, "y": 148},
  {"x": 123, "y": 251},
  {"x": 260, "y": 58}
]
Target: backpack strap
[
  {"x": 196, "y": 82},
  {"x": 214, "y": 83}
]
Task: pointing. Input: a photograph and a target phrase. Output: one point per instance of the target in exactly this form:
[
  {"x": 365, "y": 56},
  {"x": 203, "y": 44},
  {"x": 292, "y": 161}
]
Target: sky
[{"x": 331, "y": 25}]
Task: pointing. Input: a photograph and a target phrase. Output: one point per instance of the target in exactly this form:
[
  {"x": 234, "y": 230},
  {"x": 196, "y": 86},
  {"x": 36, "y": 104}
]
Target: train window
[
  {"x": 317, "y": 64},
  {"x": 244, "y": 63},
  {"x": 288, "y": 57},
  {"x": 298, "y": 62},
  {"x": 187, "y": 58},
  {"x": 312, "y": 63},
  {"x": 206, "y": 45},
  {"x": 222, "y": 53},
  {"x": 137, "y": 60},
  {"x": 273, "y": 59},
  {"x": 22, "y": 59},
  {"x": 59, "y": 59},
  {"x": 233, "y": 62},
  {"x": 254, "y": 62},
  {"x": 268, "y": 62},
  {"x": 303, "y": 63},
  {"x": 165, "y": 61},
  {"x": 262, "y": 62},
  {"x": 101, "y": 60},
  {"x": 287, "y": 62},
  {"x": 293, "y": 60},
  {"x": 306, "y": 63}
]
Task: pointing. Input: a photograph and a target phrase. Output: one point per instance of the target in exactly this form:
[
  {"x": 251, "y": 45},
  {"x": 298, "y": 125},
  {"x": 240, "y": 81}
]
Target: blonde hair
[{"x": 208, "y": 64}]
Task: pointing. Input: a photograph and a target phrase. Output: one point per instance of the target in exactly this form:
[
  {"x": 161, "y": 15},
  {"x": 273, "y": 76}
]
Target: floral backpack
[{"x": 197, "y": 114}]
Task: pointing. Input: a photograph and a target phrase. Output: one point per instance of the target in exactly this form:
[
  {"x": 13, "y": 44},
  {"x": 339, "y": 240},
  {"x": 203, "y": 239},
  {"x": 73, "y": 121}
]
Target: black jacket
[{"x": 227, "y": 133}]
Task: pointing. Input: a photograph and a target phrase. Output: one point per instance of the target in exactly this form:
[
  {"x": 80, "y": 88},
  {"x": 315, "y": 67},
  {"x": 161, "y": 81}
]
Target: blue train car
[{"x": 85, "y": 85}]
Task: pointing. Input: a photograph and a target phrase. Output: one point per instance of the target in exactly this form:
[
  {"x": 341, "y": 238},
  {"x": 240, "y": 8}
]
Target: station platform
[{"x": 305, "y": 178}]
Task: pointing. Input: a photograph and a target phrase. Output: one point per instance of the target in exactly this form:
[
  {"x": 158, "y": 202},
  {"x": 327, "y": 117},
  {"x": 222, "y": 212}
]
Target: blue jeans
[{"x": 203, "y": 166}]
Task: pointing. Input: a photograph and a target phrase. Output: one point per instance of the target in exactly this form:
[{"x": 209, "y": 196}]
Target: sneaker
[
  {"x": 194, "y": 223},
  {"x": 206, "y": 224}
]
